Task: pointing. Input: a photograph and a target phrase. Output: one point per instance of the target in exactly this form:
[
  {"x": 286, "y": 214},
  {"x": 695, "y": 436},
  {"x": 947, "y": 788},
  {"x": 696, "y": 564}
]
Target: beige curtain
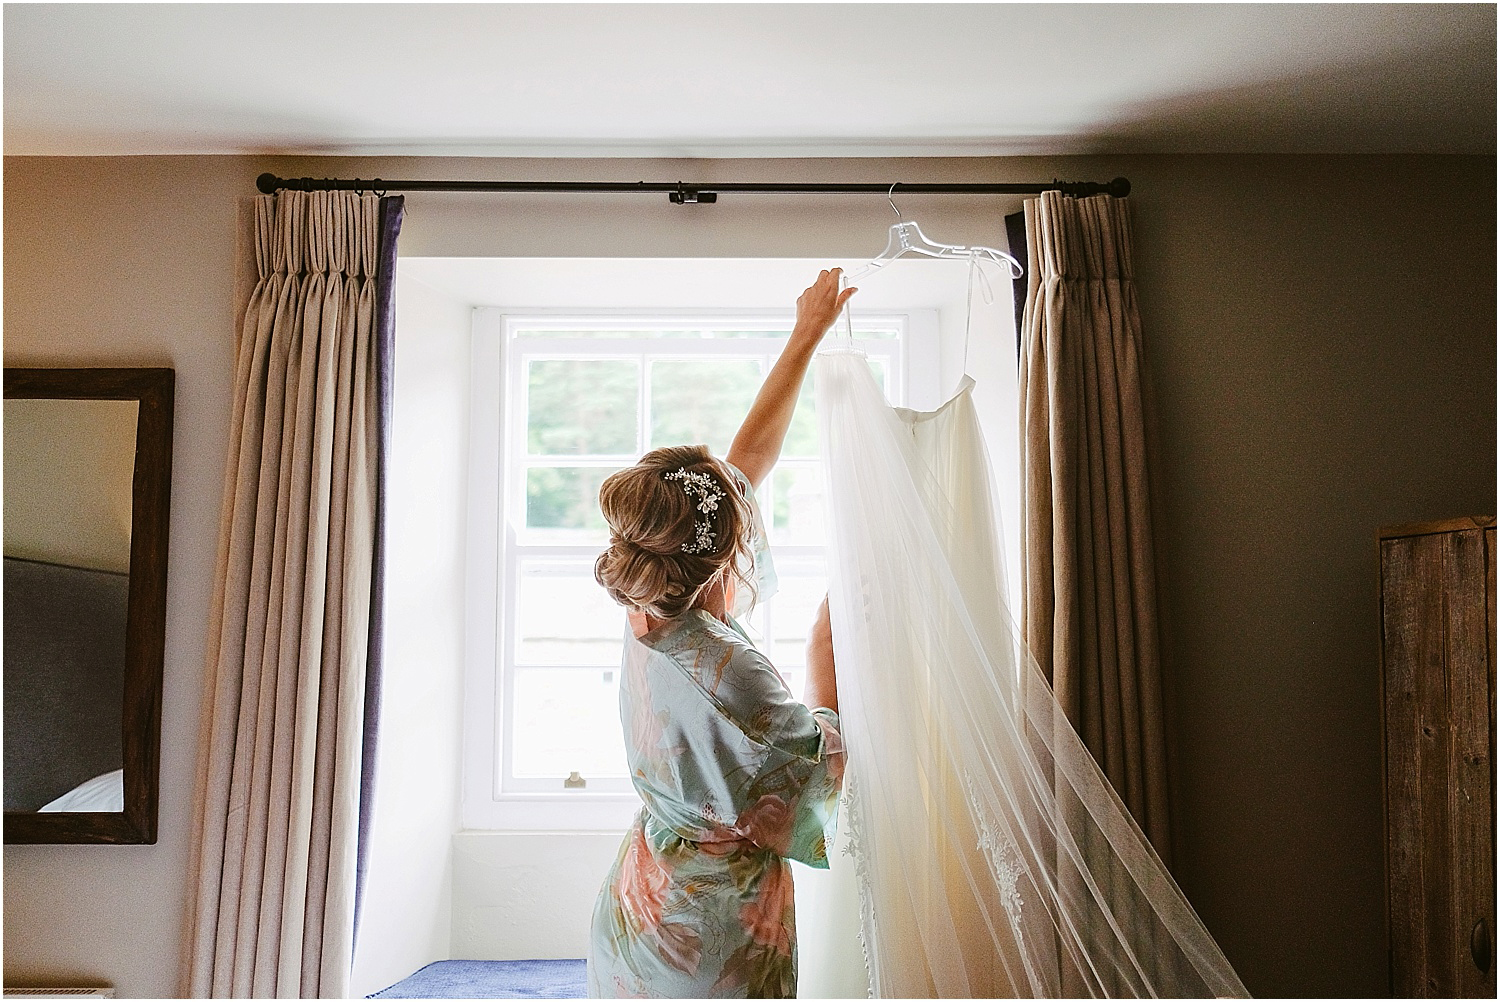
[
  {"x": 1089, "y": 603},
  {"x": 284, "y": 706}
]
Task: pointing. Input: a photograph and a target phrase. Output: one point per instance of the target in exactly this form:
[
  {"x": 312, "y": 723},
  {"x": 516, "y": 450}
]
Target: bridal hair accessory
[{"x": 709, "y": 495}]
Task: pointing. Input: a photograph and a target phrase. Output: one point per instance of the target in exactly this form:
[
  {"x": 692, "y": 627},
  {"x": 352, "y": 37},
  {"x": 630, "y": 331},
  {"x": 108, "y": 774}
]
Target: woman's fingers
[{"x": 820, "y": 303}]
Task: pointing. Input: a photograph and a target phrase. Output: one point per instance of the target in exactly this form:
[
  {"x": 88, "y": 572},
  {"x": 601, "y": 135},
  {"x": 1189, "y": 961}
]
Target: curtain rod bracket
[{"x": 691, "y": 196}]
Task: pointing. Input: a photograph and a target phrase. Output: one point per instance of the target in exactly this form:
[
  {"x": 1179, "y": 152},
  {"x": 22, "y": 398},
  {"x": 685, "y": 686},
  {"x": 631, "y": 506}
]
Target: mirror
[{"x": 88, "y": 458}]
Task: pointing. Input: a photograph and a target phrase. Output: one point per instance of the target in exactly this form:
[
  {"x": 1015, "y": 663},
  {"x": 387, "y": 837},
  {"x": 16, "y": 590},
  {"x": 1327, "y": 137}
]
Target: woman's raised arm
[{"x": 757, "y": 445}]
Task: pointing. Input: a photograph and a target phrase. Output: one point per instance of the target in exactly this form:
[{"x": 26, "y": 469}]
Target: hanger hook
[{"x": 888, "y": 198}]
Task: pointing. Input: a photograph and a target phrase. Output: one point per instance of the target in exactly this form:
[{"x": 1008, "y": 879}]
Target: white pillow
[{"x": 102, "y": 793}]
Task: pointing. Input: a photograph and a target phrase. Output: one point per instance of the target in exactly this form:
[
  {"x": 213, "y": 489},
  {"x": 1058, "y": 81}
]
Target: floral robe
[{"x": 737, "y": 777}]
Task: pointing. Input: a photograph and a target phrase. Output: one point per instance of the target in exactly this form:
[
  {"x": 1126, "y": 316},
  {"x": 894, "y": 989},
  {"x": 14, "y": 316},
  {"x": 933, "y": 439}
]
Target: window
[{"x": 580, "y": 396}]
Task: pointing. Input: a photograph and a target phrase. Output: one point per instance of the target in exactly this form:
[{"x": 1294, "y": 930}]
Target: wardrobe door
[{"x": 1438, "y": 696}]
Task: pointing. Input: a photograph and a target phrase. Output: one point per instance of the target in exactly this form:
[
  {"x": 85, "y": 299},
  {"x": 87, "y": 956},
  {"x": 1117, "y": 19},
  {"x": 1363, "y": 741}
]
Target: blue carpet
[{"x": 491, "y": 979}]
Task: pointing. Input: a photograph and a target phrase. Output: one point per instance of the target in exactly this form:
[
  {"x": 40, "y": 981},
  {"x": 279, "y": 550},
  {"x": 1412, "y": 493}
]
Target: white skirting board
[{"x": 59, "y": 993}]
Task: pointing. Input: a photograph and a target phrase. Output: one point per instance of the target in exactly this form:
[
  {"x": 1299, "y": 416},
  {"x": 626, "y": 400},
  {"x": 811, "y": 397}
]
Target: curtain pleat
[
  {"x": 284, "y": 711},
  {"x": 1089, "y": 604}
]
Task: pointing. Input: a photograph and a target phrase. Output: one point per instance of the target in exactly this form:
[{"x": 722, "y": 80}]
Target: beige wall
[
  {"x": 128, "y": 262},
  {"x": 1322, "y": 336}
]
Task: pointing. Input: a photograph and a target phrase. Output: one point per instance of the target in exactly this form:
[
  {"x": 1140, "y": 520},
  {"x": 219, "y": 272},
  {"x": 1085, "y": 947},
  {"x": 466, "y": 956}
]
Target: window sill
[{"x": 578, "y": 811}]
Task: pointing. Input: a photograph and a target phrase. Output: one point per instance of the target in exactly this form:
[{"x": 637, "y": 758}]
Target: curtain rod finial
[
  {"x": 1119, "y": 187},
  {"x": 267, "y": 183}
]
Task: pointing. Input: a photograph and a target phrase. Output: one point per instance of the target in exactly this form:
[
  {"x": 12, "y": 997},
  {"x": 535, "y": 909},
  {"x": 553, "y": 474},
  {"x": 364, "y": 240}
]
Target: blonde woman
[{"x": 736, "y": 775}]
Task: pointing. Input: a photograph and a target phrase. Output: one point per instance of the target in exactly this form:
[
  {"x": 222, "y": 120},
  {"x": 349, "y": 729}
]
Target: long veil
[{"x": 992, "y": 857}]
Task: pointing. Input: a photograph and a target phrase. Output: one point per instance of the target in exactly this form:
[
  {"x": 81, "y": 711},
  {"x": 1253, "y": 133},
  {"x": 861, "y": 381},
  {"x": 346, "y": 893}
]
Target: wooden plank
[
  {"x": 1388, "y": 775},
  {"x": 1433, "y": 742},
  {"x": 1469, "y": 754},
  {"x": 1484, "y": 822},
  {"x": 1411, "y": 620},
  {"x": 1441, "y": 525},
  {"x": 1438, "y": 714}
]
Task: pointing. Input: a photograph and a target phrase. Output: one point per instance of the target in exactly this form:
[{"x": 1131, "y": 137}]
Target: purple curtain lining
[
  {"x": 392, "y": 211},
  {"x": 1015, "y": 235}
]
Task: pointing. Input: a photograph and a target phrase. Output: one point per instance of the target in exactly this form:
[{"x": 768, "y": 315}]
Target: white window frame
[{"x": 491, "y": 800}]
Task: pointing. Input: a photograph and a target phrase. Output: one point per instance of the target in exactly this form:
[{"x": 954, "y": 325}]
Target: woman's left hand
[{"x": 819, "y": 305}]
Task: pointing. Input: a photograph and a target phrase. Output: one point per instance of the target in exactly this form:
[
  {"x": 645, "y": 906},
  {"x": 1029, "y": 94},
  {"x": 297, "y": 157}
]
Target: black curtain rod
[{"x": 683, "y": 193}]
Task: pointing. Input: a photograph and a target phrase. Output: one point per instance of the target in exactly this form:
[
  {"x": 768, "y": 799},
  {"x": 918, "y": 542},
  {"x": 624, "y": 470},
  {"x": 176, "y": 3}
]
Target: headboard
[{"x": 64, "y": 676}]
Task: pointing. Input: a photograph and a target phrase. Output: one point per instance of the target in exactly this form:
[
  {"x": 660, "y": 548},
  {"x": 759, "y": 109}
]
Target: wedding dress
[{"x": 991, "y": 856}]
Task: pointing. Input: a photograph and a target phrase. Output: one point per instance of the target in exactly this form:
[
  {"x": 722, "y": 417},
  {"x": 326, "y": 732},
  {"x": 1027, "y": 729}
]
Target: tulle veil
[{"x": 991, "y": 857}]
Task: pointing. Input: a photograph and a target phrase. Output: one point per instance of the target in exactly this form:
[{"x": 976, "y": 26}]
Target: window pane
[
  {"x": 566, "y": 720},
  {"x": 565, "y": 497},
  {"x": 795, "y": 678},
  {"x": 792, "y": 611},
  {"x": 701, "y": 401},
  {"x": 563, "y": 617},
  {"x": 802, "y": 433},
  {"x": 580, "y": 407},
  {"x": 797, "y": 505}
]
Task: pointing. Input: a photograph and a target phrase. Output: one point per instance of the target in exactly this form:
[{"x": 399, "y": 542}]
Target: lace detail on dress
[
  {"x": 1004, "y": 860},
  {"x": 854, "y": 848}
]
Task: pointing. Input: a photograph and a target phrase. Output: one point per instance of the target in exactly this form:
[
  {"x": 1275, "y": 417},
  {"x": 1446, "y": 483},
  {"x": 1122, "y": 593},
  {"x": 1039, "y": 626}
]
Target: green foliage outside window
[
  {"x": 579, "y": 407},
  {"x": 701, "y": 401},
  {"x": 560, "y": 497}
]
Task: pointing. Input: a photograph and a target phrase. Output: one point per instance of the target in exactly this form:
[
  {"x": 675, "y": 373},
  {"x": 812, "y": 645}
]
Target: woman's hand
[{"x": 819, "y": 305}]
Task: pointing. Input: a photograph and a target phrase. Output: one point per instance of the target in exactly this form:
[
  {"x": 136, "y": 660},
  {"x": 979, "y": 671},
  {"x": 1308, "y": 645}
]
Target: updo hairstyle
[{"x": 651, "y": 518}]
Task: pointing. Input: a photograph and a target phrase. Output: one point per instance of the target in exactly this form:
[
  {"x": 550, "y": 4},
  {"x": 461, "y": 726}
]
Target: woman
[{"x": 736, "y": 775}]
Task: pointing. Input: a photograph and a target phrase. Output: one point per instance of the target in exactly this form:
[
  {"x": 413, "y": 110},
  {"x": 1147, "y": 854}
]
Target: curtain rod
[{"x": 682, "y": 193}]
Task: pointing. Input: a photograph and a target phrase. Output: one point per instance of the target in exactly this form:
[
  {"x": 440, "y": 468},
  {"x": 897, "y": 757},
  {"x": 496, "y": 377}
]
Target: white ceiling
[{"x": 560, "y": 79}]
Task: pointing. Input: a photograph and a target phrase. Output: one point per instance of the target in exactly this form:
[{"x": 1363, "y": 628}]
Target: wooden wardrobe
[{"x": 1437, "y": 630}]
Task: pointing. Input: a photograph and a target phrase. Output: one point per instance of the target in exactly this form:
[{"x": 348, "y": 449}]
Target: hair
[{"x": 651, "y": 518}]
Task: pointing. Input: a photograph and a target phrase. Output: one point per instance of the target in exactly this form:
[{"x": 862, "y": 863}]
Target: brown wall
[
  {"x": 1321, "y": 333},
  {"x": 1322, "y": 337}
]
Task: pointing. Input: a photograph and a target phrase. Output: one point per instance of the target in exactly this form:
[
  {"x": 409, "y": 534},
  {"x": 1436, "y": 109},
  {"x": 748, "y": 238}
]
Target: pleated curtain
[
  {"x": 289, "y": 700},
  {"x": 1089, "y": 605}
]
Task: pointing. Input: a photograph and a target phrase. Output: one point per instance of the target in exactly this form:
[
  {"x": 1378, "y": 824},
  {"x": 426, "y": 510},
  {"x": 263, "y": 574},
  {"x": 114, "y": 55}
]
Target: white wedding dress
[{"x": 987, "y": 854}]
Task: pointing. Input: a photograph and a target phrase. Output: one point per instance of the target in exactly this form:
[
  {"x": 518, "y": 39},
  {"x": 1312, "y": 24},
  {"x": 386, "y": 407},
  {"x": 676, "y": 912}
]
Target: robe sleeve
[{"x": 790, "y": 802}]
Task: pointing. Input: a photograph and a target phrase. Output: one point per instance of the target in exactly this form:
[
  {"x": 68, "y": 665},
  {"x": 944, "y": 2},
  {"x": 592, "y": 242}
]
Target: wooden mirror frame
[{"x": 146, "y": 616}]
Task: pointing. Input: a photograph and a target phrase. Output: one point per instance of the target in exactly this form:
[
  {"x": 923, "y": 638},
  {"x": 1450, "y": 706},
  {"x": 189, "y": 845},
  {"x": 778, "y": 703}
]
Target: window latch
[{"x": 574, "y": 782}]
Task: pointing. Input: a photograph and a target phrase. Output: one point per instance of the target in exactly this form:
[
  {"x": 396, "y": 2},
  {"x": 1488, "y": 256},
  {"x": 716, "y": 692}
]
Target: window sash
[{"x": 521, "y": 546}]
